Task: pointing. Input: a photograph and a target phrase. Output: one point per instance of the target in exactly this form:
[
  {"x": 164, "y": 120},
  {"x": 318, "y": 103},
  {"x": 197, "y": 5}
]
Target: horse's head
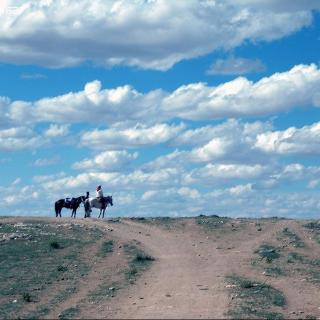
[{"x": 110, "y": 200}]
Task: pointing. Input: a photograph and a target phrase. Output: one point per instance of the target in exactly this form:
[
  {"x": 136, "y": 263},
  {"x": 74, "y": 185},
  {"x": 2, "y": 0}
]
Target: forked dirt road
[
  {"x": 188, "y": 277},
  {"x": 187, "y": 280}
]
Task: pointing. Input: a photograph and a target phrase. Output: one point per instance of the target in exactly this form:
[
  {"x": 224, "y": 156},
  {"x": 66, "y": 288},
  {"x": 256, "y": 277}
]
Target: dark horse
[
  {"x": 95, "y": 203},
  {"x": 73, "y": 204}
]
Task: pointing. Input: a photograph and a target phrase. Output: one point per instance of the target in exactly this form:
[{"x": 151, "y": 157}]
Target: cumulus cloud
[
  {"x": 107, "y": 160},
  {"x": 230, "y": 141},
  {"x": 159, "y": 193},
  {"x": 240, "y": 97},
  {"x": 116, "y": 180},
  {"x": 56, "y": 131},
  {"x": 305, "y": 140},
  {"x": 241, "y": 189},
  {"x": 19, "y": 138},
  {"x": 228, "y": 171},
  {"x": 235, "y": 66},
  {"x": 146, "y": 34},
  {"x": 138, "y": 136}
]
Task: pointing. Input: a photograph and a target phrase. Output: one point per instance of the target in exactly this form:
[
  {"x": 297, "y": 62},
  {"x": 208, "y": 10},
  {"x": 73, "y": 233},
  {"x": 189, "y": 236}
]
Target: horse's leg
[{"x": 99, "y": 214}]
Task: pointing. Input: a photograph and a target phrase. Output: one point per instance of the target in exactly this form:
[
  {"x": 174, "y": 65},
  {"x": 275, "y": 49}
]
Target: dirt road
[
  {"x": 187, "y": 280},
  {"x": 192, "y": 262}
]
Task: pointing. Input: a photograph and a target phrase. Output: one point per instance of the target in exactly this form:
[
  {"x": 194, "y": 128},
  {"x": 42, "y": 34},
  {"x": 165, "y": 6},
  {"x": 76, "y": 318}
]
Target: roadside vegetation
[
  {"x": 314, "y": 228},
  {"x": 167, "y": 223},
  {"x": 251, "y": 299},
  {"x": 138, "y": 261},
  {"x": 293, "y": 239},
  {"x": 35, "y": 256}
]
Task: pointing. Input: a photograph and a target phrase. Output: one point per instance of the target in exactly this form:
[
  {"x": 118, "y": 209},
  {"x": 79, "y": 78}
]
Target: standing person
[
  {"x": 87, "y": 206},
  {"x": 99, "y": 194}
]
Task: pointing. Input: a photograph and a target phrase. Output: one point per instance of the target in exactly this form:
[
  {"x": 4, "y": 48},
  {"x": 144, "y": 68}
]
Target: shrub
[
  {"x": 26, "y": 297},
  {"x": 62, "y": 268},
  {"x": 55, "y": 245}
]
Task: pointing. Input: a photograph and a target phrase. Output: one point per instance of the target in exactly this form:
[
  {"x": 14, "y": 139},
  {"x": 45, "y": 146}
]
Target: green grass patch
[
  {"x": 62, "y": 268},
  {"x": 268, "y": 252},
  {"x": 106, "y": 290},
  {"x": 294, "y": 239},
  {"x": 314, "y": 275},
  {"x": 212, "y": 223},
  {"x": 313, "y": 225},
  {"x": 309, "y": 267},
  {"x": 139, "y": 261},
  {"x": 294, "y": 257},
  {"x": 28, "y": 268},
  {"x": 69, "y": 313},
  {"x": 141, "y": 257},
  {"x": 55, "y": 245},
  {"x": 106, "y": 247},
  {"x": 26, "y": 297},
  {"x": 168, "y": 223},
  {"x": 254, "y": 300},
  {"x": 275, "y": 271}
]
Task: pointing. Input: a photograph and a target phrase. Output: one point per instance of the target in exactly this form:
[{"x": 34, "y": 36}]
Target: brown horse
[{"x": 73, "y": 204}]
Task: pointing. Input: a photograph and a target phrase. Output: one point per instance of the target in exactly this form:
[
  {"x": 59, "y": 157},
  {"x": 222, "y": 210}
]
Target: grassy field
[{"x": 37, "y": 256}]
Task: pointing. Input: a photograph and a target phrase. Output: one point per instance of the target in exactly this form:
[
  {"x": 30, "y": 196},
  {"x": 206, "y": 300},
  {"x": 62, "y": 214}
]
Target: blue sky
[{"x": 176, "y": 108}]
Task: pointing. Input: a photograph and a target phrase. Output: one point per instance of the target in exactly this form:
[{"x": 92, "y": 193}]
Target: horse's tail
[{"x": 56, "y": 207}]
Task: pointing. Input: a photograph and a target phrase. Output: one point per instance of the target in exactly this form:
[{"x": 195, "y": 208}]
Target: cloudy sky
[{"x": 176, "y": 108}]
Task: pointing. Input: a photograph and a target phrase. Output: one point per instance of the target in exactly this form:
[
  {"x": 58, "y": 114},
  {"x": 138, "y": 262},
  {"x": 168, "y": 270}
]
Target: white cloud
[
  {"x": 189, "y": 193},
  {"x": 43, "y": 162},
  {"x": 115, "y": 180},
  {"x": 108, "y": 160},
  {"x": 241, "y": 189},
  {"x": 305, "y": 140},
  {"x": 222, "y": 174},
  {"x": 46, "y": 178},
  {"x": 139, "y": 136},
  {"x": 16, "y": 181},
  {"x": 232, "y": 66},
  {"x": 20, "y": 138},
  {"x": 56, "y": 131},
  {"x": 146, "y": 34},
  {"x": 313, "y": 183},
  {"x": 240, "y": 97}
]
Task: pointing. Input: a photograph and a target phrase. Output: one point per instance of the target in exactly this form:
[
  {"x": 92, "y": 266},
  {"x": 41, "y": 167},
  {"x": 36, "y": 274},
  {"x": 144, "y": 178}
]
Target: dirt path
[
  {"x": 186, "y": 281},
  {"x": 188, "y": 278}
]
